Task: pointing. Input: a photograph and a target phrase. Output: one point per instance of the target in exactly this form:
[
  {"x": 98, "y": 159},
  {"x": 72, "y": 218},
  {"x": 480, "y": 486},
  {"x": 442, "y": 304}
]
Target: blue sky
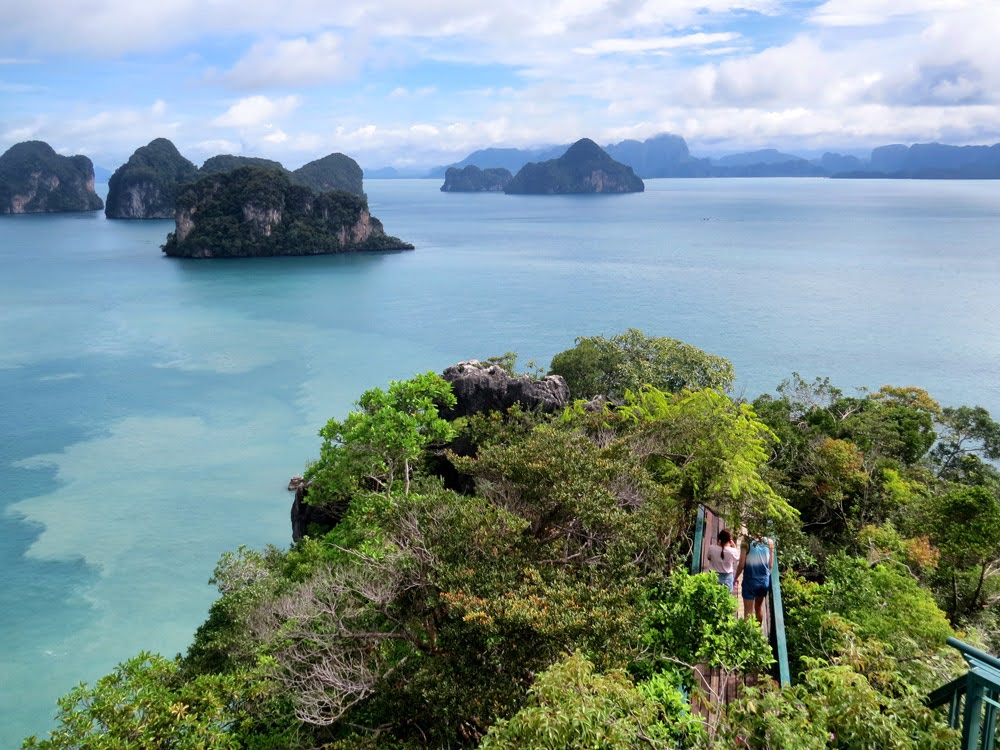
[{"x": 405, "y": 83}]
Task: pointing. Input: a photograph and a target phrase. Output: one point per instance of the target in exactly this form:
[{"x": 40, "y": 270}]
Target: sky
[{"x": 412, "y": 83}]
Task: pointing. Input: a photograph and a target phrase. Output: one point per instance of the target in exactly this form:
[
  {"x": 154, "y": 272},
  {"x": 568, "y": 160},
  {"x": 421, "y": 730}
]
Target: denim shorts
[
  {"x": 727, "y": 580},
  {"x": 754, "y": 587}
]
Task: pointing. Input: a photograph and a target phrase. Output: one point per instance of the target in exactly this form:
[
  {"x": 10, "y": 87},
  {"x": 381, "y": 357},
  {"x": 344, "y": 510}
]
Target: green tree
[
  {"x": 964, "y": 523},
  {"x": 597, "y": 366},
  {"x": 376, "y": 448},
  {"x": 145, "y": 705},
  {"x": 570, "y": 705},
  {"x": 966, "y": 431},
  {"x": 712, "y": 450}
]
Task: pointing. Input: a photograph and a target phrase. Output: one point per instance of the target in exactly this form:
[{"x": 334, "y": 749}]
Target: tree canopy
[
  {"x": 599, "y": 366},
  {"x": 518, "y": 579}
]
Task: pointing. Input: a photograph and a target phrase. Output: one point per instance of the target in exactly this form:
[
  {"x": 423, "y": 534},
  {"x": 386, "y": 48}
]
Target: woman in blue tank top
[{"x": 756, "y": 556}]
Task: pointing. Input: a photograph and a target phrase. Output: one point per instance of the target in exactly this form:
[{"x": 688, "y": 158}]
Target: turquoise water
[{"x": 153, "y": 409}]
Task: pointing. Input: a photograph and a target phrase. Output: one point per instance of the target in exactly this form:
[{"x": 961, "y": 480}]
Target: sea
[{"x": 152, "y": 409}]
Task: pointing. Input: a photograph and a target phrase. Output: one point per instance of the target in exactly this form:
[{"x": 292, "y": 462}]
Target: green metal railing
[{"x": 972, "y": 699}]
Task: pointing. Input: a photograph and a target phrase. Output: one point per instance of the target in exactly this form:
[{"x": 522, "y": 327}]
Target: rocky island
[
  {"x": 584, "y": 168},
  {"x": 472, "y": 179},
  {"x": 35, "y": 179},
  {"x": 146, "y": 186},
  {"x": 254, "y": 212}
]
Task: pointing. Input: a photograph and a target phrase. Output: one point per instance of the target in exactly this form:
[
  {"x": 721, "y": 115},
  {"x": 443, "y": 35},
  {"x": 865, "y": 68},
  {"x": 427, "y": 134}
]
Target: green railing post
[
  {"x": 699, "y": 540},
  {"x": 778, "y": 641},
  {"x": 970, "y": 718}
]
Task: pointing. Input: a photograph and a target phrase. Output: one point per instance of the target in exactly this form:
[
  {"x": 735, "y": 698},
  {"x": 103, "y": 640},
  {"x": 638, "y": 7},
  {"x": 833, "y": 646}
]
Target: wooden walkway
[{"x": 716, "y": 686}]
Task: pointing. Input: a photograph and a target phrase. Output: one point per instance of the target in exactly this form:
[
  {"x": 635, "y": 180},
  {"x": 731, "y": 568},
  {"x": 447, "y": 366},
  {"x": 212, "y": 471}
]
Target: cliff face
[
  {"x": 584, "y": 168},
  {"x": 259, "y": 212},
  {"x": 146, "y": 186},
  {"x": 472, "y": 179},
  {"x": 35, "y": 179}
]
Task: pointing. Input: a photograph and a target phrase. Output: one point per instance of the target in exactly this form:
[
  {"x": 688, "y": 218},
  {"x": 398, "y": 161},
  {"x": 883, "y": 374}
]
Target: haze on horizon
[{"x": 416, "y": 84}]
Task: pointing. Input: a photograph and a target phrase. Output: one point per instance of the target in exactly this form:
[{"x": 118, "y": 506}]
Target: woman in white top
[{"x": 723, "y": 561}]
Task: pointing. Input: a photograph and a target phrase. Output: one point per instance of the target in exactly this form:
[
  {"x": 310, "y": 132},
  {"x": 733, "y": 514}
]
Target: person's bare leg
[{"x": 758, "y": 608}]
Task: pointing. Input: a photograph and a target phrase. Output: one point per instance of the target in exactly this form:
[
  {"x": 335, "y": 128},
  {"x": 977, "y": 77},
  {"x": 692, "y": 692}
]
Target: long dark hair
[{"x": 724, "y": 537}]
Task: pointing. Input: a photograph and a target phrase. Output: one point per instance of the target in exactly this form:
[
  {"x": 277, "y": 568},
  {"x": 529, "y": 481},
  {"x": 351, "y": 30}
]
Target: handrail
[
  {"x": 777, "y": 611},
  {"x": 946, "y": 693},
  {"x": 972, "y": 699},
  {"x": 971, "y": 652}
]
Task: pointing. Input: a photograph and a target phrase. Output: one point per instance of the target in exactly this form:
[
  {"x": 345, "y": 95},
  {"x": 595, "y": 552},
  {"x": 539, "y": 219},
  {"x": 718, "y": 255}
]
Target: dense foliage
[
  {"x": 518, "y": 579},
  {"x": 332, "y": 172},
  {"x": 146, "y": 186},
  {"x": 584, "y": 168},
  {"x": 228, "y": 163},
  {"x": 34, "y": 178},
  {"x": 599, "y": 366},
  {"x": 258, "y": 212}
]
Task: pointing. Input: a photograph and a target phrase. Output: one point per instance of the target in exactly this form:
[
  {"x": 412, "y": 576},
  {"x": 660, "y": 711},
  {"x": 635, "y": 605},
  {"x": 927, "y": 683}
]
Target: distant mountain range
[{"x": 668, "y": 155}]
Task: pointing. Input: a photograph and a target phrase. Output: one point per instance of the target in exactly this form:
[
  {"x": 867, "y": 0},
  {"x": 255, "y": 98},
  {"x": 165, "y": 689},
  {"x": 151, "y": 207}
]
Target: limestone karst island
[
  {"x": 584, "y": 168},
  {"x": 255, "y": 212},
  {"x": 35, "y": 179}
]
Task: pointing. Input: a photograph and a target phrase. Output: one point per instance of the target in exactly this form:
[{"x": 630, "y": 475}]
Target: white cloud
[
  {"x": 217, "y": 146},
  {"x": 877, "y": 12},
  {"x": 655, "y": 44},
  {"x": 256, "y": 110},
  {"x": 291, "y": 62}
]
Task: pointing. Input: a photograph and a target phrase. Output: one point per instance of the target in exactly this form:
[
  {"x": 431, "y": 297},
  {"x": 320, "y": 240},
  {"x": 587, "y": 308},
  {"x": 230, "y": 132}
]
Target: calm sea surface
[{"x": 153, "y": 409}]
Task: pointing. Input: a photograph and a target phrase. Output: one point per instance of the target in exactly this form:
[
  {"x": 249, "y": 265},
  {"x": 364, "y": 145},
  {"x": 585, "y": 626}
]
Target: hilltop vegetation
[
  {"x": 517, "y": 579},
  {"x": 332, "y": 172},
  {"x": 259, "y": 212},
  {"x": 228, "y": 163}
]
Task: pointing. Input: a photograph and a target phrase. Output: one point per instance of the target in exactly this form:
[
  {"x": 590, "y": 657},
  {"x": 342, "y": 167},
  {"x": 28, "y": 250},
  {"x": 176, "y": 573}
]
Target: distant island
[
  {"x": 35, "y": 179},
  {"x": 584, "y": 168},
  {"x": 254, "y": 212},
  {"x": 147, "y": 185},
  {"x": 668, "y": 155},
  {"x": 472, "y": 179}
]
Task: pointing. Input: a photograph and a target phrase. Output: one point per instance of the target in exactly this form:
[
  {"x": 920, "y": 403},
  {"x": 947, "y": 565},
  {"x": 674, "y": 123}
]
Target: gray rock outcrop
[{"x": 480, "y": 387}]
